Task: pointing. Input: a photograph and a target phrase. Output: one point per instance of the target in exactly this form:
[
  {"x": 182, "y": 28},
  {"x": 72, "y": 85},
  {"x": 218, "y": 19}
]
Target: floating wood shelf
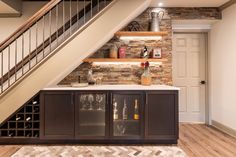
[
  {"x": 123, "y": 60},
  {"x": 126, "y": 33}
]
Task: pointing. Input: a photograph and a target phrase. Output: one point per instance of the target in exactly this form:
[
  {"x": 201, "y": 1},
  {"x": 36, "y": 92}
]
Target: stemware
[
  {"x": 90, "y": 100},
  {"x": 83, "y": 101},
  {"x": 99, "y": 100},
  {"x": 121, "y": 129}
]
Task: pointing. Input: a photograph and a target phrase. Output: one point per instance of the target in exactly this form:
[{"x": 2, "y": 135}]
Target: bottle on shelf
[
  {"x": 28, "y": 119},
  {"x": 28, "y": 134},
  {"x": 115, "y": 111},
  {"x": 36, "y": 135},
  {"x": 113, "y": 51},
  {"x": 11, "y": 134},
  {"x": 18, "y": 118},
  {"x": 36, "y": 109},
  {"x": 125, "y": 112},
  {"x": 122, "y": 53},
  {"x": 136, "y": 112},
  {"x": 28, "y": 126},
  {"x": 144, "y": 52},
  {"x": 34, "y": 102}
]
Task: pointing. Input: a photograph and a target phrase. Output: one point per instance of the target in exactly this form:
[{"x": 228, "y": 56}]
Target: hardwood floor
[{"x": 197, "y": 140}]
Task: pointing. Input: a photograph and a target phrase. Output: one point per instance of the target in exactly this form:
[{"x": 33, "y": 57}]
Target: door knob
[{"x": 203, "y": 82}]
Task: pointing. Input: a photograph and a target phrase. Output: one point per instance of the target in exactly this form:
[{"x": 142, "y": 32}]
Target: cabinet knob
[{"x": 202, "y": 82}]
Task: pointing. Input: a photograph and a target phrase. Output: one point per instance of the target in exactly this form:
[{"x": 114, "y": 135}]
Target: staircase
[{"x": 55, "y": 41}]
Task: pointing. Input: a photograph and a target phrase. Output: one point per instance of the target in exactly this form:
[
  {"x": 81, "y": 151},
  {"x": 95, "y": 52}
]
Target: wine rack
[{"x": 24, "y": 123}]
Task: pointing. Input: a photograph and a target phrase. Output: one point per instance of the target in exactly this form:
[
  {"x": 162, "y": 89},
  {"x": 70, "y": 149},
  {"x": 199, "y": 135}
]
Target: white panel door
[{"x": 189, "y": 56}]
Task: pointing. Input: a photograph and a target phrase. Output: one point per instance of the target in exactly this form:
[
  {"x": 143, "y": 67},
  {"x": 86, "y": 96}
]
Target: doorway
[{"x": 189, "y": 74}]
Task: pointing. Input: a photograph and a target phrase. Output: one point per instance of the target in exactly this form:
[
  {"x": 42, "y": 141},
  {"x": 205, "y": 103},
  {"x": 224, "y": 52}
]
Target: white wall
[
  {"x": 223, "y": 69},
  {"x": 9, "y": 25}
]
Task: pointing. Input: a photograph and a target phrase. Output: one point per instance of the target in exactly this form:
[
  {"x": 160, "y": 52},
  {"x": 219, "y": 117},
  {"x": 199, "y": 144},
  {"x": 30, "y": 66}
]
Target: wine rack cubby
[{"x": 24, "y": 123}]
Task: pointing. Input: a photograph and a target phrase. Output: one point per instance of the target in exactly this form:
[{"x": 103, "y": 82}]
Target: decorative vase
[
  {"x": 155, "y": 20},
  {"x": 146, "y": 78}
]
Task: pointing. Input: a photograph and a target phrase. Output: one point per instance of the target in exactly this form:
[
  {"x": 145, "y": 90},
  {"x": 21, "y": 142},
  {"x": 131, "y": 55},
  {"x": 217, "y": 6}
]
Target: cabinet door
[
  {"x": 126, "y": 115},
  {"x": 57, "y": 115},
  {"x": 91, "y": 115},
  {"x": 161, "y": 115}
]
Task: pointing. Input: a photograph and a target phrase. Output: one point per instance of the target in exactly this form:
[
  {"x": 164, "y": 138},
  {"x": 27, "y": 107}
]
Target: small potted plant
[{"x": 146, "y": 78}]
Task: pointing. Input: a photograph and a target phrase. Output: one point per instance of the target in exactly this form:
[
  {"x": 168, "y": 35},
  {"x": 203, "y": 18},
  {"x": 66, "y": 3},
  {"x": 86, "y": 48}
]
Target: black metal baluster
[
  {"x": 36, "y": 53},
  {"x": 22, "y": 65},
  {"x": 70, "y": 17},
  {"x": 9, "y": 66},
  {"x": 43, "y": 36},
  {"x": 50, "y": 31},
  {"x": 15, "y": 60},
  {"x": 29, "y": 49},
  {"x": 2, "y": 71},
  {"x": 57, "y": 23}
]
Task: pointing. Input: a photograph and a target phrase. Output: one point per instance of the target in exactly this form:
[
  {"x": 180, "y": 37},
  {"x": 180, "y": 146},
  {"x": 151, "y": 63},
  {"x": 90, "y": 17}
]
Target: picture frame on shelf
[{"x": 157, "y": 53}]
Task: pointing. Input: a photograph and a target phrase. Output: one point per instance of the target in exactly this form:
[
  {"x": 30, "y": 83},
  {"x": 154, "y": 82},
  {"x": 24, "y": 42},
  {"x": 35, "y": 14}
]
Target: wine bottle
[
  {"x": 18, "y": 118},
  {"x": 136, "y": 112},
  {"x": 28, "y": 135},
  {"x": 11, "y": 134},
  {"x": 28, "y": 119},
  {"x": 144, "y": 53},
  {"x": 115, "y": 111},
  {"x": 28, "y": 126},
  {"x": 36, "y": 135},
  {"x": 34, "y": 102},
  {"x": 125, "y": 114},
  {"x": 36, "y": 109}
]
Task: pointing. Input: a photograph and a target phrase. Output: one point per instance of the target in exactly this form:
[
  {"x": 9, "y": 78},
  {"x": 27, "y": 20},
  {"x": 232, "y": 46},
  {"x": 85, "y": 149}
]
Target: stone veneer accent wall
[
  {"x": 194, "y": 13},
  {"x": 130, "y": 74}
]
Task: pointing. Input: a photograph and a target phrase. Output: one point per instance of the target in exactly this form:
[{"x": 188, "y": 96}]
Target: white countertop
[{"x": 114, "y": 87}]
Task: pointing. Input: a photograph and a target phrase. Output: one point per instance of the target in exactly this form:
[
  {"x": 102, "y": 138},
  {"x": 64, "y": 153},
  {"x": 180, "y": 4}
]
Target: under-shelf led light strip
[
  {"x": 127, "y": 63},
  {"x": 140, "y": 37}
]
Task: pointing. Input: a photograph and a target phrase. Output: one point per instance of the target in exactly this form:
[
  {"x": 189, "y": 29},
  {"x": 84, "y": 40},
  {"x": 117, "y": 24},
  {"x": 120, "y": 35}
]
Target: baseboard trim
[{"x": 224, "y": 128}]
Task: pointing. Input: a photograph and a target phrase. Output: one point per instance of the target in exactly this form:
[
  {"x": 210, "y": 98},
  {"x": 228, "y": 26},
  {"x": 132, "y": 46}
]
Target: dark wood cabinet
[
  {"x": 57, "y": 110},
  {"x": 88, "y": 116},
  {"x": 161, "y": 115}
]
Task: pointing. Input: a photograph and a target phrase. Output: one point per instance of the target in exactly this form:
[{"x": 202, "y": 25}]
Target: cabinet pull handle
[{"x": 72, "y": 101}]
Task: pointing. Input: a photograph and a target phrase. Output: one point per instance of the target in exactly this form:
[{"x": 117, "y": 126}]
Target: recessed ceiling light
[{"x": 160, "y": 4}]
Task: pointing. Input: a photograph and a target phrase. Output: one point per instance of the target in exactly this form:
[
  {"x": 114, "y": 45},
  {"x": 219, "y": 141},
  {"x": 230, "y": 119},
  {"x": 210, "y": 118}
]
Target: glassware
[
  {"x": 146, "y": 77},
  {"x": 121, "y": 129},
  {"x": 99, "y": 100},
  {"x": 90, "y": 100},
  {"x": 83, "y": 101}
]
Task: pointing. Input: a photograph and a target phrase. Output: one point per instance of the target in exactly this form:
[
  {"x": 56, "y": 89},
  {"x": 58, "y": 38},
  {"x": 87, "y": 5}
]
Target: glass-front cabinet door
[
  {"x": 91, "y": 114},
  {"x": 127, "y": 115}
]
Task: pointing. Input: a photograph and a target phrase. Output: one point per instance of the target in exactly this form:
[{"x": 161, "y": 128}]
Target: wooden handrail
[
  {"x": 46, "y": 43},
  {"x": 44, "y": 10}
]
